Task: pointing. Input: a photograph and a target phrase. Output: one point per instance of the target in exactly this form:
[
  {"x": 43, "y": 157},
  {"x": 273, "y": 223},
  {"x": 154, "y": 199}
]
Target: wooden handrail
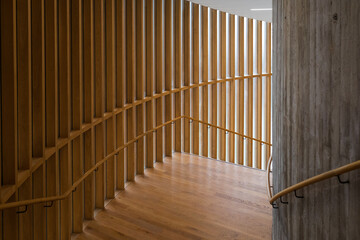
[
  {"x": 98, "y": 164},
  {"x": 332, "y": 173},
  {"x": 221, "y": 128},
  {"x": 268, "y": 187}
]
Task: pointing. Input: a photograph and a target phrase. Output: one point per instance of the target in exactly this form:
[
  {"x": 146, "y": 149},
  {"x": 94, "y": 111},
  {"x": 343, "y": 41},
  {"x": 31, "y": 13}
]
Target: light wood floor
[{"x": 188, "y": 197}]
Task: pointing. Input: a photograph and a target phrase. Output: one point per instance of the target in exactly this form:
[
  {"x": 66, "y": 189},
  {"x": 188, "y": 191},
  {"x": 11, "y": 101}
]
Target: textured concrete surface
[{"x": 316, "y": 116}]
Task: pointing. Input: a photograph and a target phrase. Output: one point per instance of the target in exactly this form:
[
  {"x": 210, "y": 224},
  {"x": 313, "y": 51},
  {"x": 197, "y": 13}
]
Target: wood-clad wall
[{"x": 80, "y": 79}]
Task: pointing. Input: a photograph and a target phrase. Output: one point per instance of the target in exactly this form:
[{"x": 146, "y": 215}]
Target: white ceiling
[{"x": 241, "y": 7}]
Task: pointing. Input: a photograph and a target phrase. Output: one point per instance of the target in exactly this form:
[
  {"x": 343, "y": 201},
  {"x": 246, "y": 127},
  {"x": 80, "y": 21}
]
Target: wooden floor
[{"x": 188, "y": 197}]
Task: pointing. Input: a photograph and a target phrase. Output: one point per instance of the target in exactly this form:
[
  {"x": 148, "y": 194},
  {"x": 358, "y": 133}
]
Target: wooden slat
[
  {"x": 178, "y": 70},
  {"x": 99, "y": 99},
  {"x": 38, "y": 77},
  {"x": 232, "y": 89},
  {"x": 89, "y": 148},
  {"x": 268, "y": 88},
  {"x": 259, "y": 92},
  {"x": 223, "y": 86},
  {"x": 24, "y": 87},
  {"x": 205, "y": 76},
  {"x": 214, "y": 62},
  {"x": 51, "y": 73},
  {"x": 52, "y": 189},
  {"x": 140, "y": 79},
  {"x": 159, "y": 74},
  {"x": 249, "y": 130},
  {"x": 77, "y": 107},
  {"x": 26, "y": 219},
  {"x": 196, "y": 72},
  {"x": 130, "y": 84},
  {"x": 77, "y": 172},
  {"x": 65, "y": 183},
  {"x": 241, "y": 94},
  {"x": 168, "y": 73},
  {"x": 187, "y": 76},
  {"x": 64, "y": 68},
  {"x": 9, "y": 94},
  {"x": 64, "y": 114},
  {"x": 110, "y": 95},
  {"x": 39, "y": 220},
  {"x": 149, "y": 28},
  {"x": 10, "y": 217},
  {"x": 120, "y": 91}
]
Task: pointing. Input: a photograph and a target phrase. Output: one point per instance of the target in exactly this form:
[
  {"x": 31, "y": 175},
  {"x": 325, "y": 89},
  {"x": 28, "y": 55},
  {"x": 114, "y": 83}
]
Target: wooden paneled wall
[{"x": 80, "y": 79}]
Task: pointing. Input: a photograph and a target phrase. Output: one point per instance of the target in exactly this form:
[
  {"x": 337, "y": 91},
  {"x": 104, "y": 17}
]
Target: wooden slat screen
[{"x": 80, "y": 79}]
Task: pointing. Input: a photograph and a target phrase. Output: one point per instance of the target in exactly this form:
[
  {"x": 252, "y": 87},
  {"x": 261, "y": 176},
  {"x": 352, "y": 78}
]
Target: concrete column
[{"x": 316, "y": 116}]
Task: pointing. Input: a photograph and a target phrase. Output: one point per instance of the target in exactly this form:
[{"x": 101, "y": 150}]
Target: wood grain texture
[
  {"x": 212, "y": 209},
  {"x": 196, "y": 75},
  {"x": 168, "y": 104},
  {"x": 240, "y": 116},
  {"x": 120, "y": 91},
  {"x": 222, "y": 96},
  {"x": 316, "y": 109},
  {"x": 130, "y": 86},
  {"x": 250, "y": 111},
  {"x": 178, "y": 71},
  {"x": 214, "y": 87},
  {"x": 259, "y": 95},
  {"x": 149, "y": 25},
  {"x": 140, "y": 81},
  {"x": 231, "y": 151},
  {"x": 205, "y": 77},
  {"x": 159, "y": 76}
]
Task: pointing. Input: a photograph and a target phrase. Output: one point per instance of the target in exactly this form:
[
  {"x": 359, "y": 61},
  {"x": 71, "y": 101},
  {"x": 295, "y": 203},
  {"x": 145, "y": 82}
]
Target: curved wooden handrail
[
  {"x": 268, "y": 187},
  {"x": 98, "y": 164},
  {"x": 317, "y": 178}
]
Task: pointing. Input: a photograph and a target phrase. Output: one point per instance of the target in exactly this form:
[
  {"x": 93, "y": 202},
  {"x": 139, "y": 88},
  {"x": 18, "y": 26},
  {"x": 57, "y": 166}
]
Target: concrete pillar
[{"x": 316, "y": 116}]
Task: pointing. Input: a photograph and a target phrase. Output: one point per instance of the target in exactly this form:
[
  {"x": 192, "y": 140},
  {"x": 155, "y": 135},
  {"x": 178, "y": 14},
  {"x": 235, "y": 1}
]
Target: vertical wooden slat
[
  {"x": 25, "y": 219},
  {"x": 232, "y": 89},
  {"x": 24, "y": 86},
  {"x": 77, "y": 87},
  {"x": 241, "y": 94},
  {"x": 10, "y": 219},
  {"x": 110, "y": 95},
  {"x": 39, "y": 220},
  {"x": 9, "y": 94},
  {"x": 159, "y": 74},
  {"x": 140, "y": 79},
  {"x": 187, "y": 77},
  {"x": 120, "y": 91},
  {"x": 89, "y": 148},
  {"x": 52, "y": 189},
  {"x": 77, "y": 172},
  {"x": 149, "y": 25},
  {"x": 65, "y": 183},
  {"x": 259, "y": 91},
  {"x": 38, "y": 77},
  {"x": 196, "y": 73},
  {"x": 268, "y": 89},
  {"x": 51, "y": 46},
  {"x": 168, "y": 73},
  {"x": 89, "y": 183},
  {"x": 99, "y": 99},
  {"x": 178, "y": 70},
  {"x": 223, "y": 86},
  {"x": 205, "y": 75},
  {"x": 214, "y": 62},
  {"x": 130, "y": 84},
  {"x": 51, "y": 115},
  {"x": 249, "y": 131},
  {"x": 64, "y": 113}
]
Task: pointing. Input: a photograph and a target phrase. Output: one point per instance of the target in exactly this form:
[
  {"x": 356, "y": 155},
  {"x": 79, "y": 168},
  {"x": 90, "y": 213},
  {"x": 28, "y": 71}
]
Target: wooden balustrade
[{"x": 84, "y": 85}]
